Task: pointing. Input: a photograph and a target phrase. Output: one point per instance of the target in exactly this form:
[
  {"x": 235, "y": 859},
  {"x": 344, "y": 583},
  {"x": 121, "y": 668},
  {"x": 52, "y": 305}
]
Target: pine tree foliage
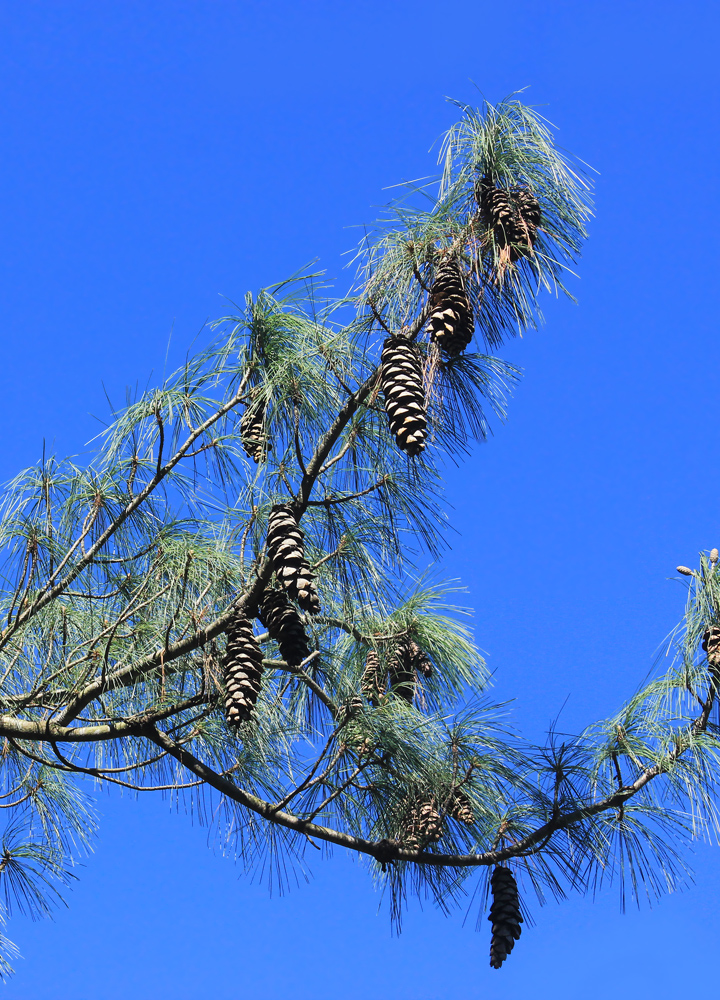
[{"x": 227, "y": 602}]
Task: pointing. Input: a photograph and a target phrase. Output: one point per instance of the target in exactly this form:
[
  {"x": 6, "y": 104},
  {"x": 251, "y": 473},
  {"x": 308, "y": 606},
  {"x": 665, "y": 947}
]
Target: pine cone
[
  {"x": 372, "y": 684},
  {"x": 504, "y": 914},
  {"x": 252, "y": 430},
  {"x": 423, "y": 825},
  {"x": 714, "y": 556},
  {"x": 711, "y": 645},
  {"x": 461, "y": 808},
  {"x": 408, "y": 661},
  {"x": 451, "y": 318},
  {"x": 420, "y": 660},
  {"x": 285, "y": 626},
  {"x": 402, "y": 385},
  {"x": 512, "y": 215},
  {"x": 242, "y": 670},
  {"x": 403, "y": 679},
  {"x": 287, "y": 553}
]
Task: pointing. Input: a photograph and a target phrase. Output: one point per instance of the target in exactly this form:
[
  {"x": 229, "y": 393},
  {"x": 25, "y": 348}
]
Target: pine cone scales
[
  {"x": 252, "y": 431},
  {"x": 242, "y": 671},
  {"x": 285, "y": 626},
  {"x": 423, "y": 826},
  {"x": 372, "y": 684},
  {"x": 513, "y": 216},
  {"x": 451, "y": 318},
  {"x": 287, "y": 553},
  {"x": 504, "y": 914},
  {"x": 401, "y": 380}
]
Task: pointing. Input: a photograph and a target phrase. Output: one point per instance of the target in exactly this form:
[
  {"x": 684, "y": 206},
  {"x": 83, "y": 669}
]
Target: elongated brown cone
[
  {"x": 372, "y": 684},
  {"x": 242, "y": 670},
  {"x": 401, "y": 380},
  {"x": 423, "y": 825},
  {"x": 505, "y": 915},
  {"x": 512, "y": 215},
  {"x": 287, "y": 553},
  {"x": 252, "y": 430},
  {"x": 285, "y": 626},
  {"x": 451, "y": 318}
]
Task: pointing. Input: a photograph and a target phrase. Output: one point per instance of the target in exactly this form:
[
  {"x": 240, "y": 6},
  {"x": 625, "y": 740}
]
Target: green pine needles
[{"x": 121, "y": 580}]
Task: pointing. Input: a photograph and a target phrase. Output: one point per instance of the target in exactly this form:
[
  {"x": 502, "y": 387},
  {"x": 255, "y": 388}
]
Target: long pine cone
[
  {"x": 242, "y": 670},
  {"x": 372, "y": 684},
  {"x": 451, "y": 318},
  {"x": 505, "y": 915},
  {"x": 285, "y": 626},
  {"x": 287, "y": 553},
  {"x": 401, "y": 379}
]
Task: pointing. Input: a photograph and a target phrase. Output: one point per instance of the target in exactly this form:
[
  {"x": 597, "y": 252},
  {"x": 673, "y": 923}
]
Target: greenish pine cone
[
  {"x": 242, "y": 670},
  {"x": 513, "y": 216},
  {"x": 252, "y": 430},
  {"x": 285, "y": 626},
  {"x": 401, "y": 379},
  {"x": 287, "y": 553},
  {"x": 505, "y": 915},
  {"x": 451, "y": 318}
]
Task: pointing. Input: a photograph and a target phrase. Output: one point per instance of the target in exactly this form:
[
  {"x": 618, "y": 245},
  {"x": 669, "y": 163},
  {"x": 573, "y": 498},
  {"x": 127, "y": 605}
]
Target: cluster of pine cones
[
  {"x": 512, "y": 216},
  {"x": 242, "y": 662},
  {"x": 399, "y": 674},
  {"x": 422, "y": 826}
]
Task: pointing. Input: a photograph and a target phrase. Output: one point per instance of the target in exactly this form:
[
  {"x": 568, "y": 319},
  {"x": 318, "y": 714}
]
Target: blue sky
[{"x": 160, "y": 158}]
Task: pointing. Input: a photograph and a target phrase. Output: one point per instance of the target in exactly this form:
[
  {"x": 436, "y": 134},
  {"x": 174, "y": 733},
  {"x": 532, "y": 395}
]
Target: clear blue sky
[{"x": 157, "y": 156}]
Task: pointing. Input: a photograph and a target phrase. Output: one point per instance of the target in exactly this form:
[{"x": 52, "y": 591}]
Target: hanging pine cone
[
  {"x": 504, "y": 914},
  {"x": 405, "y": 664},
  {"x": 402, "y": 385},
  {"x": 252, "y": 429},
  {"x": 372, "y": 684},
  {"x": 242, "y": 670},
  {"x": 711, "y": 645},
  {"x": 512, "y": 215},
  {"x": 401, "y": 669},
  {"x": 461, "y": 808},
  {"x": 420, "y": 660},
  {"x": 285, "y": 626},
  {"x": 451, "y": 318},
  {"x": 287, "y": 553},
  {"x": 423, "y": 825}
]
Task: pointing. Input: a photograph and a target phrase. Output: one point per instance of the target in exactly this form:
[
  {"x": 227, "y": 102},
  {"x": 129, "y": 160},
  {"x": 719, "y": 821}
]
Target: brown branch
[{"x": 328, "y": 501}]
